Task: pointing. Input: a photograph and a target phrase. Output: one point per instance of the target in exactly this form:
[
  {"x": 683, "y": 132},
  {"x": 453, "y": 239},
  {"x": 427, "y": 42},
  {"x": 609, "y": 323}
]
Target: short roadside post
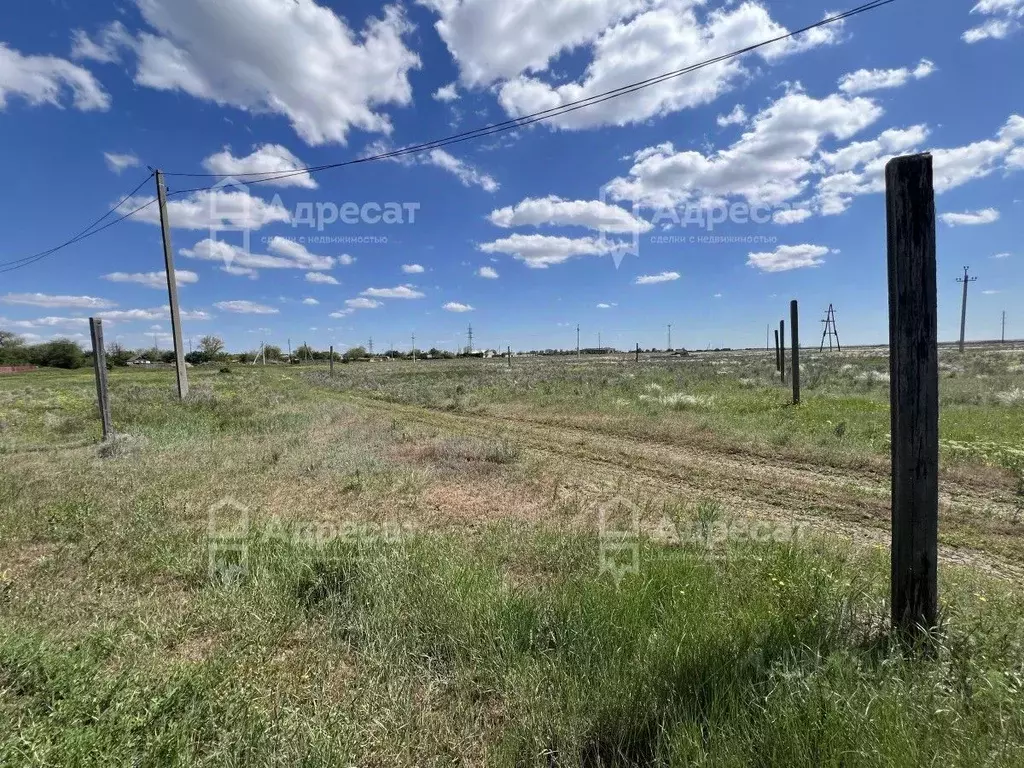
[
  {"x": 782, "y": 350},
  {"x": 794, "y": 323},
  {"x": 913, "y": 392},
  {"x": 99, "y": 362}
]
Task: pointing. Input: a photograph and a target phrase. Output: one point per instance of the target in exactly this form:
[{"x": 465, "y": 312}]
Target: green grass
[
  {"x": 735, "y": 396},
  {"x": 368, "y": 628},
  {"x": 513, "y": 650}
]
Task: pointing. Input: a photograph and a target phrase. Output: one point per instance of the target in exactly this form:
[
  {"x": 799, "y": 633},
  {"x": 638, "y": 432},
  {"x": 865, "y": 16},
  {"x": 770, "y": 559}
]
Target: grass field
[{"x": 560, "y": 562}]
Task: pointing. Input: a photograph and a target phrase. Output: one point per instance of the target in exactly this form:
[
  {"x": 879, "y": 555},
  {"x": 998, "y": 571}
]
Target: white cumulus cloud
[
  {"x": 541, "y": 251},
  {"x": 738, "y": 116},
  {"x": 246, "y": 307},
  {"x": 298, "y": 59},
  {"x": 398, "y": 292},
  {"x": 554, "y": 211},
  {"x": 661, "y": 277},
  {"x": 210, "y": 209},
  {"x": 488, "y": 272},
  {"x": 153, "y": 279},
  {"x": 119, "y": 161},
  {"x": 455, "y": 306},
  {"x": 787, "y": 257},
  {"x": 48, "y": 80},
  {"x": 268, "y": 159},
  {"x": 865, "y": 80},
  {"x": 321, "y": 278},
  {"x": 970, "y": 218},
  {"x": 1003, "y": 19},
  {"x": 412, "y": 269},
  {"x": 666, "y": 36},
  {"x": 50, "y": 300}
]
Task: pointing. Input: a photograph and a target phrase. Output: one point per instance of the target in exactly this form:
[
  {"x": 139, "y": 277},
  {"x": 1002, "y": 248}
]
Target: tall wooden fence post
[
  {"x": 782, "y": 350},
  {"x": 331, "y": 373},
  {"x": 99, "y": 362},
  {"x": 778, "y": 365},
  {"x": 913, "y": 391},
  {"x": 794, "y": 324}
]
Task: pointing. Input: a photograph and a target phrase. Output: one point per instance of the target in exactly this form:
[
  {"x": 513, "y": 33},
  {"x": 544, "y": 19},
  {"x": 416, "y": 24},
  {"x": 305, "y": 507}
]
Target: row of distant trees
[
  {"x": 66, "y": 353},
  {"x": 59, "y": 353}
]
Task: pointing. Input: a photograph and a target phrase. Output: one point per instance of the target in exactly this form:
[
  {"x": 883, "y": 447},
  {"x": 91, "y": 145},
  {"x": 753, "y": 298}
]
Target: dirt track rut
[{"x": 826, "y": 499}]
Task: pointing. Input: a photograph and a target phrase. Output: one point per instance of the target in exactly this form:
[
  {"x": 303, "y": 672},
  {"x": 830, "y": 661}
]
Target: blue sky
[{"x": 519, "y": 233}]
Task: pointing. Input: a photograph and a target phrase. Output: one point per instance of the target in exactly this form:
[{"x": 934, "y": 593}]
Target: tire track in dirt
[{"x": 827, "y": 500}]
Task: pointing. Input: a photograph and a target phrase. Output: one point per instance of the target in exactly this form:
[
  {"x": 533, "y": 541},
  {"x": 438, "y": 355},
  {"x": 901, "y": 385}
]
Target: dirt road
[{"x": 977, "y": 523}]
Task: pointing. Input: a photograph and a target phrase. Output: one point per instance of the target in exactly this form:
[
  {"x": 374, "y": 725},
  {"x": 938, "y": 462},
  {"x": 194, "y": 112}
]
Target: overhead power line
[
  {"x": 257, "y": 177},
  {"x": 89, "y": 231}
]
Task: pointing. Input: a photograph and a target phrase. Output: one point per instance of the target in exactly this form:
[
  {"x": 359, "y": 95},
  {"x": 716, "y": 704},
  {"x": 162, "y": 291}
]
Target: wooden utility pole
[
  {"x": 913, "y": 391},
  {"x": 577, "y": 341},
  {"x": 1002, "y": 336},
  {"x": 99, "y": 362},
  {"x": 782, "y": 350},
  {"x": 778, "y": 364},
  {"x": 414, "y": 347},
  {"x": 331, "y": 353},
  {"x": 172, "y": 288},
  {"x": 794, "y": 322},
  {"x": 638, "y": 351},
  {"x": 963, "y": 306},
  {"x": 509, "y": 352},
  {"x": 669, "y": 347}
]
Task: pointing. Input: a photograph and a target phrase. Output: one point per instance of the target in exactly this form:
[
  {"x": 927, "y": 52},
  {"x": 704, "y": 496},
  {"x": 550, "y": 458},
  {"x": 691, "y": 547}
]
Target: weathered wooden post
[
  {"x": 509, "y": 349},
  {"x": 913, "y": 391},
  {"x": 782, "y": 350},
  {"x": 99, "y": 362},
  {"x": 331, "y": 373},
  {"x": 778, "y": 365},
  {"x": 794, "y": 323},
  {"x": 638, "y": 351}
]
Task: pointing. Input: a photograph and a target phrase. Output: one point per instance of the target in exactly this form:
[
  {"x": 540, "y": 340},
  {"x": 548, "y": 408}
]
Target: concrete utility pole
[
  {"x": 577, "y": 340},
  {"x": 99, "y": 363},
  {"x": 1002, "y": 336},
  {"x": 963, "y": 306},
  {"x": 414, "y": 347},
  {"x": 669, "y": 348},
  {"x": 172, "y": 287},
  {"x": 598, "y": 339}
]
